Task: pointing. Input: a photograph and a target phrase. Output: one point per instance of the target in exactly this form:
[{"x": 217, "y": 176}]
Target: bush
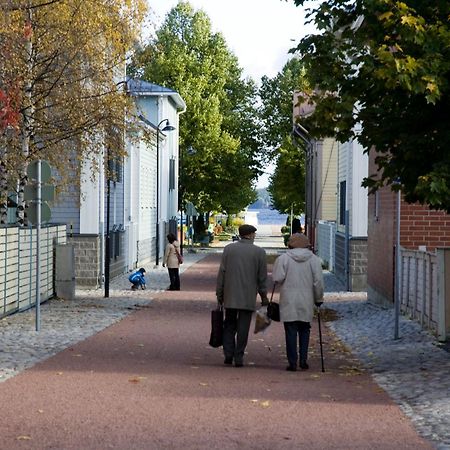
[
  {"x": 285, "y": 229},
  {"x": 237, "y": 222}
]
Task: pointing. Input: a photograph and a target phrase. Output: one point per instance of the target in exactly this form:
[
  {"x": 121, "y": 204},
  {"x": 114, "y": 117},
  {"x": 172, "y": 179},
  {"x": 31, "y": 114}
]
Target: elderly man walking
[{"x": 242, "y": 275}]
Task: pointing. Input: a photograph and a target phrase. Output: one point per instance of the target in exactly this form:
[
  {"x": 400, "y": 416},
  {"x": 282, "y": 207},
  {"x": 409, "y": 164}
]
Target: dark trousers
[
  {"x": 174, "y": 276},
  {"x": 291, "y": 331},
  {"x": 235, "y": 333}
]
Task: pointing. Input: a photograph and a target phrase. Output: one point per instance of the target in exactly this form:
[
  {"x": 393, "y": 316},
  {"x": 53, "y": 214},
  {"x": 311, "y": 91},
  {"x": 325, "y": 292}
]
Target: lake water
[{"x": 270, "y": 217}]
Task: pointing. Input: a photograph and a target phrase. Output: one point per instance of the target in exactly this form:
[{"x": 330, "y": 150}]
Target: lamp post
[
  {"x": 303, "y": 134},
  {"x": 168, "y": 127},
  {"x": 189, "y": 152}
]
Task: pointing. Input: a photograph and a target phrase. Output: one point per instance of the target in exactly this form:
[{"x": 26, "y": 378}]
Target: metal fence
[
  {"x": 419, "y": 287},
  {"x": 326, "y": 242},
  {"x": 18, "y": 265}
]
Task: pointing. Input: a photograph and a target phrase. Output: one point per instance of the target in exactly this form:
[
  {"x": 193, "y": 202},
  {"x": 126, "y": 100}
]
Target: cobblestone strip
[{"x": 412, "y": 369}]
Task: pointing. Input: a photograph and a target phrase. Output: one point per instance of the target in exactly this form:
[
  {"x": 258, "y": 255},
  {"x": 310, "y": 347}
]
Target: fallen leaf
[
  {"x": 265, "y": 404},
  {"x": 23, "y": 438},
  {"x": 254, "y": 400},
  {"x": 194, "y": 367},
  {"x": 40, "y": 411},
  {"x": 203, "y": 384},
  {"x": 136, "y": 379},
  {"x": 59, "y": 373}
]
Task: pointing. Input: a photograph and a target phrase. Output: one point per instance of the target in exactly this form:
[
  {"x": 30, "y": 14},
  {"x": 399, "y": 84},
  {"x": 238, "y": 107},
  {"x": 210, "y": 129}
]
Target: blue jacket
[{"x": 137, "y": 278}]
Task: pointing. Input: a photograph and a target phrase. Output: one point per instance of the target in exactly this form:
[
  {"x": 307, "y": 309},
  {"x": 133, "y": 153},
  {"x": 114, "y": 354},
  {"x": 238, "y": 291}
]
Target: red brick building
[{"x": 420, "y": 228}]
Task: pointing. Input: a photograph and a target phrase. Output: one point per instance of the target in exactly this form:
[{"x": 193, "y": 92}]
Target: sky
[{"x": 259, "y": 32}]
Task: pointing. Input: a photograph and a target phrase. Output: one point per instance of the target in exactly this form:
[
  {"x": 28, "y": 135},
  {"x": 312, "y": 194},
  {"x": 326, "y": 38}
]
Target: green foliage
[
  {"x": 385, "y": 65},
  {"x": 287, "y": 183},
  {"x": 220, "y": 120}
]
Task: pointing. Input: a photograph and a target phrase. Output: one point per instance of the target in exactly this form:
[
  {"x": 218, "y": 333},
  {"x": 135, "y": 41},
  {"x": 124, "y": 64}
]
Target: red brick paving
[{"x": 152, "y": 382}]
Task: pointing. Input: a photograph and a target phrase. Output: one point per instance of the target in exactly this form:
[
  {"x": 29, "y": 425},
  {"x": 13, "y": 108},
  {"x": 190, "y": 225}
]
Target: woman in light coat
[
  {"x": 171, "y": 260},
  {"x": 299, "y": 273}
]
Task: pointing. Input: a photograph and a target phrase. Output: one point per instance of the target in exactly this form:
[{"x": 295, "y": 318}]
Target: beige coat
[
  {"x": 170, "y": 256},
  {"x": 299, "y": 274},
  {"x": 242, "y": 275}
]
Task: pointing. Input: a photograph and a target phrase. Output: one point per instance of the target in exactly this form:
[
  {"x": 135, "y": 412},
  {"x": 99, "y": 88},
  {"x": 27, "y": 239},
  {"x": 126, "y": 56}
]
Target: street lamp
[
  {"x": 168, "y": 127},
  {"x": 303, "y": 134},
  {"x": 189, "y": 152}
]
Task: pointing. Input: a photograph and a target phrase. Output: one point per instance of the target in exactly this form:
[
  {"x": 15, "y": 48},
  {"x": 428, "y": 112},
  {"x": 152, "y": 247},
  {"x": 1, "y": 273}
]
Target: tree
[
  {"x": 219, "y": 123},
  {"x": 386, "y": 65},
  {"x": 62, "y": 63},
  {"x": 286, "y": 185}
]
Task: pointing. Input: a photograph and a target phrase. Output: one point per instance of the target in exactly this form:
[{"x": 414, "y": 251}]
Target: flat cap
[{"x": 245, "y": 230}]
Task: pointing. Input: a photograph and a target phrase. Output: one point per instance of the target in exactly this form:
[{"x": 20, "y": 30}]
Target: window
[
  {"x": 342, "y": 205},
  {"x": 172, "y": 174}
]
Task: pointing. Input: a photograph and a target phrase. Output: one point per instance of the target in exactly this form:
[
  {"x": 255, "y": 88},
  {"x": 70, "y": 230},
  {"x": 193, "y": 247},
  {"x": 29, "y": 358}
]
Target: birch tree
[{"x": 62, "y": 67}]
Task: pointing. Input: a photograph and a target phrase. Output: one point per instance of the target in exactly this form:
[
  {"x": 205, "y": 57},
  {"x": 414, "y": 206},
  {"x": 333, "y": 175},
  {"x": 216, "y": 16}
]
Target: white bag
[{"x": 262, "y": 321}]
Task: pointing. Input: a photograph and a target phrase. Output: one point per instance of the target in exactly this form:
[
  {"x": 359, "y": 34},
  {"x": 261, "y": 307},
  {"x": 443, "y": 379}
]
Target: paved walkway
[{"x": 151, "y": 381}]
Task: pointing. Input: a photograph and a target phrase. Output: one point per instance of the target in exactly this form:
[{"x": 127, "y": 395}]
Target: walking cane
[{"x": 320, "y": 338}]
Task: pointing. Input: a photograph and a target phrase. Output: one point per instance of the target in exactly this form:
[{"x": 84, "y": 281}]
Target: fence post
[{"x": 443, "y": 271}]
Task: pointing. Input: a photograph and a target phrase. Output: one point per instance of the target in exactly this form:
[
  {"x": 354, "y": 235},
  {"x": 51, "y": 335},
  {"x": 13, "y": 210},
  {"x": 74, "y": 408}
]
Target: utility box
[{"x": 65, "y": 271}]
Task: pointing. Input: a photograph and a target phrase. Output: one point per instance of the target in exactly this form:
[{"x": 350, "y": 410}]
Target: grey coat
[
  {"x": 299, "y": 273},
  {"x": 242, "y": 275}
]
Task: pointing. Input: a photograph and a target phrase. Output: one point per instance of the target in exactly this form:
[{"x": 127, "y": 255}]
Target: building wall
[
  {"x": 327, "y": 182},
  {"x": 66, "y": 209},
  {"x": 419, "y": 227},
  {"x": 380, "y": 251},
  {"x": 359, "y": 196},
  {"x": 339, "y": 261}
]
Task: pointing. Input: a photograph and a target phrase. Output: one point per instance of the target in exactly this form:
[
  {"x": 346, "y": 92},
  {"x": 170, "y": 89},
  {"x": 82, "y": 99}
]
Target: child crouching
[{"x": 137, "y": 279}]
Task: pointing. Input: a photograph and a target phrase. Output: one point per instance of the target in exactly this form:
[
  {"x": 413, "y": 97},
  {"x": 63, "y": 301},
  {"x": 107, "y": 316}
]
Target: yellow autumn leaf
[
  {"x": 265, "y": 404},
  {"x": 385, "y": 16},
  {"x": 23, "y": 438}
]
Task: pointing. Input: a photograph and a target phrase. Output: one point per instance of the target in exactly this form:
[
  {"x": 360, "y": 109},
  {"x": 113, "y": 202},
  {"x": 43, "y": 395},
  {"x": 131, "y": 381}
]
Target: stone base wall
[
  {"x": 357, "y": 262},
  {"x": 87, "y": 260}
]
